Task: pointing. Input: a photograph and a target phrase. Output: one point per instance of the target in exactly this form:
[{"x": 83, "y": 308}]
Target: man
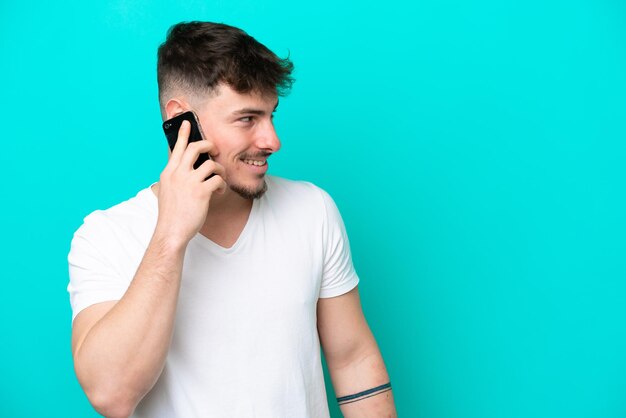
[{"x": 208, "y": 293}]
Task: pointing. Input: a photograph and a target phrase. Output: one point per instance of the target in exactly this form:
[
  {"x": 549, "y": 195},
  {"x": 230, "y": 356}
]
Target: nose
[{"x": 267, "y": 138}]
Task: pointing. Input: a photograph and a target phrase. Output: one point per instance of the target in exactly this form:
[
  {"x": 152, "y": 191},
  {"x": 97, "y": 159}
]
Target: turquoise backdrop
[{"x": 475, "y": 148}]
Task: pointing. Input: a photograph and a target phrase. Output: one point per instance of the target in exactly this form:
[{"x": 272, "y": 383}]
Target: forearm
[
  {"x": 359, "y": 384},
  {"x": 353, "y": 358},
  {"x": 122, "y": 356}
]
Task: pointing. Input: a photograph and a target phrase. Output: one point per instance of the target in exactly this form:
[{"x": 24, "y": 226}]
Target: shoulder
[
  {"x": 301, "y": 198},
  {"x": 301, "y": 195},
  {"x": 304, "y": 191},
  {"x": 131, "y": 215}
]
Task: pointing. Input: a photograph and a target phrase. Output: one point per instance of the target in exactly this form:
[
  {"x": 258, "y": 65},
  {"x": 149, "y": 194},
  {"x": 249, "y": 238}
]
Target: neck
[
  {"x": 221, "y": 205},
  {"x": 226, "y": 218},
  {"x": 229, "y": 202}
]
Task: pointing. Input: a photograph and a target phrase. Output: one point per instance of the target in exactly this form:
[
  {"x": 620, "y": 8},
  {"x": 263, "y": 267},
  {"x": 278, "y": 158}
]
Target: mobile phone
[{"x": 172, "y": 126}]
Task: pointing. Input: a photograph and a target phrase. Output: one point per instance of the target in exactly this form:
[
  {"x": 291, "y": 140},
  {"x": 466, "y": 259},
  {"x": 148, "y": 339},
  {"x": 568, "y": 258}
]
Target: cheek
[
  {"x": 228, "y": 140},
  {"x": 231, "y": 145}
]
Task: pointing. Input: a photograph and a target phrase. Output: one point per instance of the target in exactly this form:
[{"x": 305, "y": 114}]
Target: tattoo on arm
[{"x": 365, "y": 394}]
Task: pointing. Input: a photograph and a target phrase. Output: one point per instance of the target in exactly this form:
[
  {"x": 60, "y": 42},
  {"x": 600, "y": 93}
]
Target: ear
[{"x": 175, "y": 107}]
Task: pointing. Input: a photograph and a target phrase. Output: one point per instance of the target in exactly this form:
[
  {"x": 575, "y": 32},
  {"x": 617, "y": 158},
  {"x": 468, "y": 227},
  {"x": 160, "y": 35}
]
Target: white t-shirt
[{"x": 245, "y": 340}]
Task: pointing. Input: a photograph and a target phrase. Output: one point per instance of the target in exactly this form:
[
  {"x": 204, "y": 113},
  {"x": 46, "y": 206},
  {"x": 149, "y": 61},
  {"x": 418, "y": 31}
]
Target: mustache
[{"x": 250, "y": 156}]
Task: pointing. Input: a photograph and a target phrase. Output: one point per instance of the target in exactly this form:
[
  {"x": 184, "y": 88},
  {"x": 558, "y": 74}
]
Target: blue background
[{"x": 475, "y": 149}]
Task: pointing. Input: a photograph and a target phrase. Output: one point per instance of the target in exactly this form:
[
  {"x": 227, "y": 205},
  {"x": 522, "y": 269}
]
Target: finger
[
  {"x": 181, "y": 142},
  {"x": 194, "y": 150},
  {"x": 208, "y": 168},
  {"x": 223, "y": 187},
  {"x": 215, "y": 183}
]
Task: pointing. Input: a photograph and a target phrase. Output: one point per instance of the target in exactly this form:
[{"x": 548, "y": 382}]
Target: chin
[{"x": 248, "y": 192}]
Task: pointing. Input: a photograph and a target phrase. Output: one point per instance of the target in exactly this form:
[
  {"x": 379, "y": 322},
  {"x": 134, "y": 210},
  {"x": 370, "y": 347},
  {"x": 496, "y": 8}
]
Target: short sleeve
[
  {"x": 339, "y": 275},
  {"x": 93, "y": 277}
]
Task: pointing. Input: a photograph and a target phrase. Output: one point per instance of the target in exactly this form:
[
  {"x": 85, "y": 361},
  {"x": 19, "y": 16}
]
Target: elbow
[
  {"x": 107, "y": 396},
  {"x": 111, "y": 392},
  {"x": 111, "y": 404}
]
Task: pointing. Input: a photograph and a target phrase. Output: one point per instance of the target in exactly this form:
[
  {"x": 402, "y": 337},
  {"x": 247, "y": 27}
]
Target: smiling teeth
[{"x": 253, "y": 162}]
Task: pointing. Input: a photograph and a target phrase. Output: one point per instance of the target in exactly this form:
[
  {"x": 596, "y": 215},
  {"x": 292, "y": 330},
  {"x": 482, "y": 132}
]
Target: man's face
[{"x": 241, "y": 128}]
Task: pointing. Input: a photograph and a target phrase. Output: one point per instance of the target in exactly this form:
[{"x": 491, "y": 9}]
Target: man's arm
[
  {"x": 354, "y": 361},
  {"x": 119, "y": 347}
]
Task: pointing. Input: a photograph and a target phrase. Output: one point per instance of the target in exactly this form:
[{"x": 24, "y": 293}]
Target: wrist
[{"x": 169, "y": 240}]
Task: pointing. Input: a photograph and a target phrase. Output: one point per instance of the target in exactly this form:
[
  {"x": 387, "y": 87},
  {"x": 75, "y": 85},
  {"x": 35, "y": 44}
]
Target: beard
[{"x": 248, "y": 192}]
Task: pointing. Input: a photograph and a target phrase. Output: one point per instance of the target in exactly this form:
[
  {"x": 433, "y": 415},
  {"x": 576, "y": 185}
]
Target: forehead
[{"x": 225, "y": 100}]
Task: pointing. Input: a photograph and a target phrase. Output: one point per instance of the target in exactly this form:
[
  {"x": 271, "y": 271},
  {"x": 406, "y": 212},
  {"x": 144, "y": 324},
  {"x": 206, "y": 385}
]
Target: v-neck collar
[
  {"x": 209, "y": 244},
  {"x": 213, "y": 246}
]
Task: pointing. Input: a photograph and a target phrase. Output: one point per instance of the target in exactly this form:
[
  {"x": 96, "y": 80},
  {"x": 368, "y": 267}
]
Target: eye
[{"x": 246, "y": 119}]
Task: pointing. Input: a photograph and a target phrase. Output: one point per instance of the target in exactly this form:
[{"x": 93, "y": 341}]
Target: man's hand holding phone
[{"x": 185, "y": 192}]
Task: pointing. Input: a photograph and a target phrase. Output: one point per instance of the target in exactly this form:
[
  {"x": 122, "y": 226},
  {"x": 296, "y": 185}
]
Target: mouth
[
  {"x": 255, "y": 160},
  {"x": 257, "y": 163}
]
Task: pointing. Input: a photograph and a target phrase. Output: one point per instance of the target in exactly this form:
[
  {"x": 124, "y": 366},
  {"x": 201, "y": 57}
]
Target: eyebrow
[{"x": 253, "y": 111}]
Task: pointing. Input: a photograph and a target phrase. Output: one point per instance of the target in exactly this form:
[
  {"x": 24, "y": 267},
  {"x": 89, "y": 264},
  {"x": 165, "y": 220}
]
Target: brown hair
[{"x": 197, "y": 56}]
